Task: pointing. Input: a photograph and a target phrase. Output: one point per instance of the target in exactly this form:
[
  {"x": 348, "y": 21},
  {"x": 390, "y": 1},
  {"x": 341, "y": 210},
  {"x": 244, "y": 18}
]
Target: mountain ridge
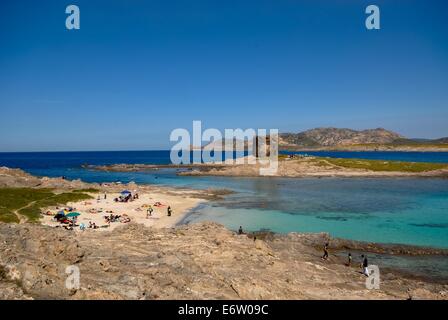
[{"x": 331, "y": 137}]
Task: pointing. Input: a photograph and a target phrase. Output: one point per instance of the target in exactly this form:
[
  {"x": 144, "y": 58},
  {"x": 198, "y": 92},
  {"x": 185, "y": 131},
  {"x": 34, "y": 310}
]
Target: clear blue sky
[{"x": 138, "y": 69}]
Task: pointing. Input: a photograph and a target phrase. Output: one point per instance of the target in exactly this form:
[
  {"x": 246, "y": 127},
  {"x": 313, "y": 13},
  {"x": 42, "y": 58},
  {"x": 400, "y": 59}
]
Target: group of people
[
  {"x": 240, "y": 232},
  {"x": 150, "y": 210},
  {"x": 112, "y": 218},
  {"x": 99, "y": 197},
  {"x": 364, "y": 261},
  {"x": 126, "y": 197},
  {"x": 92, "y": 225}
]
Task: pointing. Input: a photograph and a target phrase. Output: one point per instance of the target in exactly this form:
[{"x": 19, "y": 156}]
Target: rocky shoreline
[
  {"x": 17, "y": 178},
  {"x": 304, "y": 167},
  {"x": 198, "y": 261}
]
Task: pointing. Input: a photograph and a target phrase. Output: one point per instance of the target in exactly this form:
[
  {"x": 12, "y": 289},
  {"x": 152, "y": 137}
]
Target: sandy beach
[{"x": 93, "y": 211}]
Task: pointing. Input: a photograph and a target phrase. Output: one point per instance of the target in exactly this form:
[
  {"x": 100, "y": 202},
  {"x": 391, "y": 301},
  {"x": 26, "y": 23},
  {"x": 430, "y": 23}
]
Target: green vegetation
[
  {"x": 380, "y": 165},
  {"x": 402, "y": 144},
  {"x": 8, "y": 216},
  {"x": 28, "y": 202},
  {"x": 89, "y": 190}
]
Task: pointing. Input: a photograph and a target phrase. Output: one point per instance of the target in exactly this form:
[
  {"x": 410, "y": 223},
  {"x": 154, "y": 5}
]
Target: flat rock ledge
[{"x": 197, "y": 261}]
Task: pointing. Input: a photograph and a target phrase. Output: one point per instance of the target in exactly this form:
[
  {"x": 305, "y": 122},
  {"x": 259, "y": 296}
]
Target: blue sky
[{"x": 138, "y": 69}]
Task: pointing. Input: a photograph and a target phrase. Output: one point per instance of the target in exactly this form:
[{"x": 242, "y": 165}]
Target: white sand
[{"x": 180, "y": 205}]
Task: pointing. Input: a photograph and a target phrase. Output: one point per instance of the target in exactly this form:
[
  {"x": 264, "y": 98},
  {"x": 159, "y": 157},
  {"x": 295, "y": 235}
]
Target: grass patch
[
  {"x": 29, "y": 202},
  {"x": 8, "y": 216},
  {"x": 406, "y": 144},
  {"x": 381, "y": 165},
  {"x": 89, "y": 190},
  {"x": 16, "y": 198}
]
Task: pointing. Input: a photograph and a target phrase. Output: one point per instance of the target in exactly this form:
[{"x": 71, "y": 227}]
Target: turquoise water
[
  {"x": 398, "y": 210},
  {"x": 406, "y": 211}
]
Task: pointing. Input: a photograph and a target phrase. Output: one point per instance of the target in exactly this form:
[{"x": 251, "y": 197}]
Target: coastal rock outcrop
[{"x": 198, "y": 261}]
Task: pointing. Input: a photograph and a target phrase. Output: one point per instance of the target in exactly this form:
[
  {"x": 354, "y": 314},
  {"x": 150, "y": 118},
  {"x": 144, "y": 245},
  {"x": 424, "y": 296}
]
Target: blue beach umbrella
[{"x": 73, "y": 214}]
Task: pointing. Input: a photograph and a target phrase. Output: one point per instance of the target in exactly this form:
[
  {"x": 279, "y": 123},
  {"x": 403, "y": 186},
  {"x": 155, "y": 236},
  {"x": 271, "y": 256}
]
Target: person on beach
[
  {"x": 365, "y": 265},
  {"x": 325, "y": 256},
  {"x": 169, "y": 211},
  {"x": 149, "y": 212},
  {"x": 240, "y": 230},
  {"x": 349, "y": 260},
  {"x": 105, "y": 195}
]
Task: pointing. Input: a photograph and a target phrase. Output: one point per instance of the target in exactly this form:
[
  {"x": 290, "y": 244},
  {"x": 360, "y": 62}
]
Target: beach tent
[
  {"x": 125, "y": 192},
  {"x": 60, "y": 215},
  {"x": 73, "y": 214}
]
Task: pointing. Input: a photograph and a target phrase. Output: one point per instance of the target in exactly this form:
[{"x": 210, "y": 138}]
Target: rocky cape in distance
[
  {"x": 378, "y": 139},
  {"x": 295, "y": 167},
  {"x": 338, "y": 139}
]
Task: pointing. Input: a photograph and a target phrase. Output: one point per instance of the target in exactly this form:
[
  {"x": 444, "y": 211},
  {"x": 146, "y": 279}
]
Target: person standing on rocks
[
  {"x": 349, "y": 260},
  {"x": 240, "y": 230},
  {"x": 325, "y": 256},
  {"x": 365, "y": 265}
]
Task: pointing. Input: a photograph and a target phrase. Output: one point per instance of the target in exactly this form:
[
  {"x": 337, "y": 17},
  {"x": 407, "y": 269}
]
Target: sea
[{"x": 411, "y": 211}]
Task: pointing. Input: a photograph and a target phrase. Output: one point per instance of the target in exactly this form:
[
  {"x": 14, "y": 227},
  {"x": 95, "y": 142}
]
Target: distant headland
[{"x": 352, "y": 140}]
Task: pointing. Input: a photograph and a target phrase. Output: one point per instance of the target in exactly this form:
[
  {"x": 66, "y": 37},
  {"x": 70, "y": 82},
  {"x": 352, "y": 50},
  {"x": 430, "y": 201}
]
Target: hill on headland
[
  {"x": 378, "y": 139},
  {"x": 338, "y": 138}
]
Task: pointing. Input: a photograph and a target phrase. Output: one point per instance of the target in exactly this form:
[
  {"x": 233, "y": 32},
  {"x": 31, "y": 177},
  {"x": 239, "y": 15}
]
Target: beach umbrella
[
  {"x": 125, "y": 192},
  {"x": 72, "y": 214}
]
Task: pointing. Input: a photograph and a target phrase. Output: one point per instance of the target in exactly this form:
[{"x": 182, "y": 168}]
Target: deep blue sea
[
  {"x": 395, "y": 210},
  {"x": 34, "y": 160}
]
